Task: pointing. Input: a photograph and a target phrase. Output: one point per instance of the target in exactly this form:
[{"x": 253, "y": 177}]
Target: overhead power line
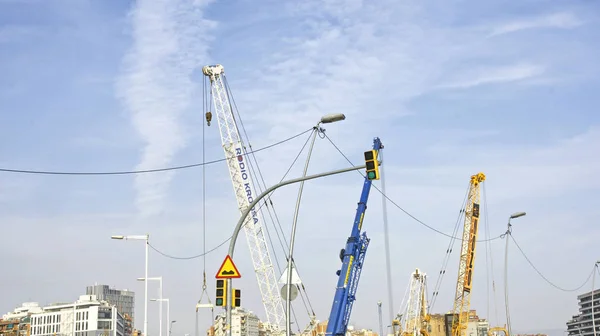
[
  {"x": 544, "y": 277},
  {"x": 347, "y": 159},
  {"x": 404, "y": 210},
  {"x": 145, "y": 171}
]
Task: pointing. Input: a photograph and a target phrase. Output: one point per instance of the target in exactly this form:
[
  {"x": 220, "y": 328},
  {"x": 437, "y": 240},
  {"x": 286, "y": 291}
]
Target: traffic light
[
  {"x": 372, "y": 165},
  {"x": 221, "y": 299},
  {"x": 237, "y": 297}
]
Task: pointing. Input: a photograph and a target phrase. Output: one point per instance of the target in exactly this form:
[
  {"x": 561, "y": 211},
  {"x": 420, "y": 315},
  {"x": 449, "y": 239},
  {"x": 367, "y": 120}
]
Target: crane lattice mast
[
  {"x": 462, "y": 300},
  {"x": 416, "y": 307},
  {"x": 235, "y": 154}
]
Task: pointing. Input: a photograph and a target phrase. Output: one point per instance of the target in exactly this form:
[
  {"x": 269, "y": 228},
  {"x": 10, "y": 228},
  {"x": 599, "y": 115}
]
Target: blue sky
[{"x": 509, "y": 89}]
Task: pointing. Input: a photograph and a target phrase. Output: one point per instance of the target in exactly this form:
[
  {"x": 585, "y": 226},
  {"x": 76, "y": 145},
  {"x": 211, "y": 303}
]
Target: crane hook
[{"x": 208, "y": 117}]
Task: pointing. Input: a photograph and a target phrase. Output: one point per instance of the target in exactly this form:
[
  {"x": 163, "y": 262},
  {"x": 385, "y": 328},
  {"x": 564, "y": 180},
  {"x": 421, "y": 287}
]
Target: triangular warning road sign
[{"x": 228, "y": 270}]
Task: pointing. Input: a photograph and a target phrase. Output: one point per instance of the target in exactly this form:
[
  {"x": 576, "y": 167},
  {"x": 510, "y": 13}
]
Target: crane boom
[
  {"x": 462, "y": 300},
  {"x": 352, "y": 260},
  {"x": 235, "y": 154}
]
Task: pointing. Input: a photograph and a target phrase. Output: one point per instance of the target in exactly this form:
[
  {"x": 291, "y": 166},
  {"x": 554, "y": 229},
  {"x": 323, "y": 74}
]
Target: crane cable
[
  {"x": 273, "y": 215},
  {"x": 261, "y": 187},
  {"x": 205, "y": 105},
  {"x": 448, "y": 253}
]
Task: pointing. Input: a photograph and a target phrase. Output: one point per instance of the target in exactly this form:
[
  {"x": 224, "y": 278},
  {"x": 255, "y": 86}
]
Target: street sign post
[{"x": 228, "y": 270}]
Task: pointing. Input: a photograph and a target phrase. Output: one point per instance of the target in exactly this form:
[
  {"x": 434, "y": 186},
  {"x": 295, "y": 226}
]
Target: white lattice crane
[
  {"x": 239, "y": 170},
  {"x": 415, "y": 313}
]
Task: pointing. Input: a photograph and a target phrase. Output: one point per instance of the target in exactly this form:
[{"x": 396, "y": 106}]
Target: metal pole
[
  {"x": 146, "y": 291},
  {"x": 508, "y": 233},
  {"x": 380, "y": 319},
  {"x": 387, "y": 247},
  {"x": 160, "y": 317},
  {"x": 288, "y": 300},
  {"x": 593, "y": 288},
  {"x": 169, "y": 315},
  {"x": 240, "y": 223}
]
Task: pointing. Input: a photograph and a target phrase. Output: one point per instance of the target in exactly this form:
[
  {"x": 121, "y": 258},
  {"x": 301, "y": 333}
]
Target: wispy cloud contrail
[{"x": 170, "y": 39}]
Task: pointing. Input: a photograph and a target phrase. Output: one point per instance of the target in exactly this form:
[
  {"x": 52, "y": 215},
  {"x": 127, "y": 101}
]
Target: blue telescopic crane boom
[{"x": 352, "y": 258}]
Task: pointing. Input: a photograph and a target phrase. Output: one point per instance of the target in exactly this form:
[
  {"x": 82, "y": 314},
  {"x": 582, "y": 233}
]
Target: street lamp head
[
  {"x": 173, "y": 321},
  {"x": 331, "y": 118},
  {"x": 517, "y": 215},
  {"x": 141, "y": 279},
  {"x": 117, "y": 237},
  {"x": 153, "y": 299}
]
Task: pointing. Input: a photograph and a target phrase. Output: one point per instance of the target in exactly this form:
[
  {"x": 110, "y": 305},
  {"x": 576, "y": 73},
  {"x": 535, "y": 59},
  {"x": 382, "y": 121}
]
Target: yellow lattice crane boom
[{"x": 462, "y": 300}]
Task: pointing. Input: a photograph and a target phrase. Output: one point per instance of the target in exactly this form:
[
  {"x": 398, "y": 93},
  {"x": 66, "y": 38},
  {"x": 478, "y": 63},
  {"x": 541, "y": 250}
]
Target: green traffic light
[
  {"x": 371, "y": 175},
  {"x": 219, "y": 302}
]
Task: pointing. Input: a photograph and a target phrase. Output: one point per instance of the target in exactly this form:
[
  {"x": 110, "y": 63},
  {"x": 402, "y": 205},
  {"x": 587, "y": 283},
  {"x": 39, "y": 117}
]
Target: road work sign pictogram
[{"x": 228, "y": 270}]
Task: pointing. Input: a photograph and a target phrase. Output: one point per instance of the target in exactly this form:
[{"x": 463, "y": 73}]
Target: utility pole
[{"x": 380, "y": 318}]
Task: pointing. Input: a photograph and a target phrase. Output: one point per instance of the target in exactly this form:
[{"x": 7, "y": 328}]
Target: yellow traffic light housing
[
  {"x": 237, "y": 297},
  {"x": 372, "y": 165},
  {"x": 221, "y": 297}
]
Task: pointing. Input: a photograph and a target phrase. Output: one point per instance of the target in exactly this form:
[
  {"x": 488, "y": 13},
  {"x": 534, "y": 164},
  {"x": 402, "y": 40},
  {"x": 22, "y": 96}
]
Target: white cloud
[
  {"x": 504, "y": 74},
  {"x": 170, "y": 41},
  {"x": 556, "y": 20}
]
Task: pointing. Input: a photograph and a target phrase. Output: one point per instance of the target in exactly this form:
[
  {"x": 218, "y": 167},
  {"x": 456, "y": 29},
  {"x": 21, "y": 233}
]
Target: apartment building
[
  {"x": 243, "y": 323},
  {"x": 582, "y": 324},
  {"x": 123, "y": 299},
  {"x": 26, "y": 309},
  {"x": 85, "y": 317}
]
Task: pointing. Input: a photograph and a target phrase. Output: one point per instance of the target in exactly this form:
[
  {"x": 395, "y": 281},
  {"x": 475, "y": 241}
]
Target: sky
[{"x": 451, "y": 88}]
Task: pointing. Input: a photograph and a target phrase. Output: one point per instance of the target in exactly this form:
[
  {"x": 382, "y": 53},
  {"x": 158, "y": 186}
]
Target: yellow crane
[{"x": 462, "y": 299}]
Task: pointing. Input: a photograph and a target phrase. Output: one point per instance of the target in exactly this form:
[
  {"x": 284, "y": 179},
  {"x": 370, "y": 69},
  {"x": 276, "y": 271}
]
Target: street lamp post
[
  {"x": 240, "y": 223},
  {"x": 593, "y": 289},
  {"x": 327, "y": 119},
  {"x": 380, "y": 318},
  {"x": 145, "y": 237},
  {"x": 168, "y": 310},
  {"x": 160, "y": 307},
  {"x": 508, "y": 233},
  {"x": 171, "y": 326}
]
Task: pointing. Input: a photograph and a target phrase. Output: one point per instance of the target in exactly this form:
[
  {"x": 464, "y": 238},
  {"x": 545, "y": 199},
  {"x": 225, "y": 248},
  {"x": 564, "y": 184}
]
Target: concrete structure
[
  {"x": 123, "y": 299},
  {"x": 581, "y": 324},
  {"x": 243, "y": 323},
  {"x": 26, "y": 309},
  {"x": 85, "y": 317}
]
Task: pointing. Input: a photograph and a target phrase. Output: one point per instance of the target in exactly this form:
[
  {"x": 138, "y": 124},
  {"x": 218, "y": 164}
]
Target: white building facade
[
  {"x": 243, "y": 323},
  {"x": 85, "y": 317},
  {"x": 28, "y": 308}
]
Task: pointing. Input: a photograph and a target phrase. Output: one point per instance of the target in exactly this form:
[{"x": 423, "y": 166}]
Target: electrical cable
[
  {"x": 490, "y": 265},
  {"x": 402, "y": 209},
  {"x": 145, "y": 171},
  {"x": 540, "y": 273},
  {"x": 204, "y": 253}
]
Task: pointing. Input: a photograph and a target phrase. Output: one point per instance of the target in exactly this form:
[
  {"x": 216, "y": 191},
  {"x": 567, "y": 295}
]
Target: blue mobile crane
[{"x": 353, "y": 255}]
